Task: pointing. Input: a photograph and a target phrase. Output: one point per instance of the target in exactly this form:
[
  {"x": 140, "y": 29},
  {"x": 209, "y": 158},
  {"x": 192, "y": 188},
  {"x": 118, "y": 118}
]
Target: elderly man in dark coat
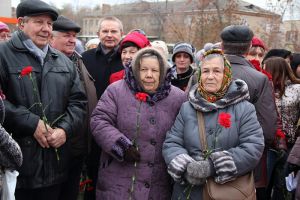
[
  {"x": 42, "y": 118},
  {"x": 64, "y": 39},
  {"x": 236, "y": 41}
]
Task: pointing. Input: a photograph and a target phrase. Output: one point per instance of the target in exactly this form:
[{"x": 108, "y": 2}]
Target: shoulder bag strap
[{"x": 202, "y": 130}]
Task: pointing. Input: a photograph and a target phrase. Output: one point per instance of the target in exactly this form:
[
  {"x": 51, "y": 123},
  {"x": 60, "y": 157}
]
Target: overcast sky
[{"x": 92, "y": 3}]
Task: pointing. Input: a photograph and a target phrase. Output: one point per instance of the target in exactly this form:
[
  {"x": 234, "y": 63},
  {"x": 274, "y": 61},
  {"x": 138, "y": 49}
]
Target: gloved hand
[
  {"x": 193, "y": 180},
  {"x": 177, "y": 166},
  {"x": 198, "y": 171},
  {"x": 292, "y": 168},
  {"x": 224, "y": 166},
  {"x": 132, "y": 155}
]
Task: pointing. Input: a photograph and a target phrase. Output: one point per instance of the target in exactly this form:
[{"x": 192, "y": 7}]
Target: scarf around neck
[
  {"x": 28, "y": 43},
  {"x": 161, "y": 93}
]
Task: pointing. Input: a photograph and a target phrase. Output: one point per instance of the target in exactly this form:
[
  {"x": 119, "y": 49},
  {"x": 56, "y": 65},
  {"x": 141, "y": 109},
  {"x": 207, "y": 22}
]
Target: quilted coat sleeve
[
  {"x": 251, "y": 140},
  {"x": 174, "y": 142},
  {"x": 104, "y": 120}
]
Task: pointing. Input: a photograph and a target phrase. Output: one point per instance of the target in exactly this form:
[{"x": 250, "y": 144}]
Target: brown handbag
[{"x": 242, "y": 188}]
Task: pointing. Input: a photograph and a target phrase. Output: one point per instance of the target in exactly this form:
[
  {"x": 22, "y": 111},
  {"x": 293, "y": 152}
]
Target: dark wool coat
[
  {"x": 61, "y": 93},
  {"x": 262, "y": 97},
  {"x": 116, "y": 116},
  {"x": 102, "y": 66},
  {"x": 243, "y": 139}
]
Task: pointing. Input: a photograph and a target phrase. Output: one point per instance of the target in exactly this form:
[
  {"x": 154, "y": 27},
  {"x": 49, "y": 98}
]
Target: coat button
[
  {"x": 153, "y": 142},
  {"x": 150, "y": 164},
  {"x": 147, "y": 185},
  {"x": 152, "y": 120}
]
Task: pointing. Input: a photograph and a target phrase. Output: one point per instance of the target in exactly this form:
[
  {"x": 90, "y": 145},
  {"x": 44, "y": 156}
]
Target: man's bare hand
[
  {"x": 57, "y": 138},
  {"x": 41, "y": 134}
]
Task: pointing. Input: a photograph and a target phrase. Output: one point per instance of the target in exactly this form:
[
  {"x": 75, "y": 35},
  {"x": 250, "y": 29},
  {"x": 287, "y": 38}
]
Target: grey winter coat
[
  {"x": 115, "y": 116},
  {"x": 243, "y": 139}
]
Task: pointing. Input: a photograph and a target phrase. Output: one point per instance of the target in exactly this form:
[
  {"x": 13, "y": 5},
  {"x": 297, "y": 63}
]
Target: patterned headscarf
[{"x": 212, "y": 97}]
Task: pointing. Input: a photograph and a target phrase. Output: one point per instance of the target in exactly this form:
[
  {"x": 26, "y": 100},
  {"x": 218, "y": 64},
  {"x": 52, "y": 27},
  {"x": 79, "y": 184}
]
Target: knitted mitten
[{"x": 177, "y": 166}]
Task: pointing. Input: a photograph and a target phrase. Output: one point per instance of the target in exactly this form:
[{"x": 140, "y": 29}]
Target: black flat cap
[
  {"x": 34, "y": 8},
  {"x": 63, "y": 24},
  {"x": 237, "y": 34}
]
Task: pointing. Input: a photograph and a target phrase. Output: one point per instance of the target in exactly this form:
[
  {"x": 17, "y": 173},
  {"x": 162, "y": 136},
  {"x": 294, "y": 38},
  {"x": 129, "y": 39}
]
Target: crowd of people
[{"x": 122, "y": 119}]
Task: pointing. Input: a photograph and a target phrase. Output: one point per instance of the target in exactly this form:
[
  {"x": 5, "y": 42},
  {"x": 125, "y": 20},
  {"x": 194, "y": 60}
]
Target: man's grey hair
[
  {"x": 110, "y": 18},
  {"x": 236, "y": 48}
]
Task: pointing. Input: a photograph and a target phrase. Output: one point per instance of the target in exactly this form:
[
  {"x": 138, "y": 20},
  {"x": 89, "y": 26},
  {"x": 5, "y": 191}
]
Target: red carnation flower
[
  {"x": 280, "y": 133},
  {"x": 256, "y": 64},
  {"x": 26, "y": 71},
  {"x": 224, "y": 120},
  {"x": 141, "y": 96}
]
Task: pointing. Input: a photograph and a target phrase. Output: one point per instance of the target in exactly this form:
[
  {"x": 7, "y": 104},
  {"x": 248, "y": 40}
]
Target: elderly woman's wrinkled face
[
  {"x": 212, "y": 72},
  {"x": 149, "y": 74}
]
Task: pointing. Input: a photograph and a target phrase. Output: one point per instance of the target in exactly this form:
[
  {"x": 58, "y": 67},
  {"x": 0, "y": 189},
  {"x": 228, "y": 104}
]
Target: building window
[{"x": 291, "y": 36}]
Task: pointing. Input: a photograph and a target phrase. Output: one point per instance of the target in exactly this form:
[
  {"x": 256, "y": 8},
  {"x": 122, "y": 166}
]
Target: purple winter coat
[{"x": 115, "y": 116}]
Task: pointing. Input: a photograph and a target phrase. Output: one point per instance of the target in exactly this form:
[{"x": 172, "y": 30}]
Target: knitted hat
[
  {"x": 63, "y": 24},
  {"x": 3, "y": 27},
  {"x": 256, "y": 42},
  {"x": 137, "y": 38},
  {"x": 185, "y": 48},
  {"x": 161, "y": 45},
  {"x": 34, "y": 8}
]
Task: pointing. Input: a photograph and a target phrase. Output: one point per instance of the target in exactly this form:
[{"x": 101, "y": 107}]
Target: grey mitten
[
  {"x": 198, "y": 171},
  {"x": 177, "y": 166},
  {"x": 224, "y": 165}
]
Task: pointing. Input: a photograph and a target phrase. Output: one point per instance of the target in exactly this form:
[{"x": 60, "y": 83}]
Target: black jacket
[
  {"x": 61, "y": 93},
  {"x": 101, "y": 66}
]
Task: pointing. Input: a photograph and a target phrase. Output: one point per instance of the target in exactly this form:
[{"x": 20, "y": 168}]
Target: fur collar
[{"x": 238, "y": 91}]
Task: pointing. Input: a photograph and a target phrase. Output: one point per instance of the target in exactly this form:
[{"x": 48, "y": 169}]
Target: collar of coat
[
  {"x": 237, "y": 92},
  {"x": 239, "y": 60}
]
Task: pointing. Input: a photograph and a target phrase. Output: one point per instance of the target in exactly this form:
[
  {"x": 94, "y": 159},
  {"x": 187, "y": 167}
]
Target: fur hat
[
  {"x": 136, "y": 62},
  {"x": 63, "y": 24},
  {"x": 185, "y": 48},
  {"x": 256, "y": 42},
  {"x": 3, "y": 27},
  {"x": 137, "y": 38},
  {"x": 34, "y": 8}
]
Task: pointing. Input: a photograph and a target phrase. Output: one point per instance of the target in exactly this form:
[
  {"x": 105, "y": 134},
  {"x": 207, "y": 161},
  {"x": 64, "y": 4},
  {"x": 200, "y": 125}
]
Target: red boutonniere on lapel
[
  {"x": 141, "y": 96},
  {"x": 224, "y": 119}
]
